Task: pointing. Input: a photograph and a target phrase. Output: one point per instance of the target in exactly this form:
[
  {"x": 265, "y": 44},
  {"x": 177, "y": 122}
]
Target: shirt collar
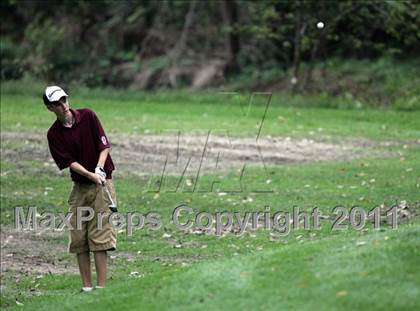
[{"x": 76, "y": 115}]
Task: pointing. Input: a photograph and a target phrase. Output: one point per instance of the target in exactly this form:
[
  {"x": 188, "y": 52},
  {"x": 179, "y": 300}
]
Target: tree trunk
[
  {"x": 173, "y": 71},
  {"x": 232, "y": 43},
  {"x": 182, "y": 42},
  {"x": 299, "y": 32}
]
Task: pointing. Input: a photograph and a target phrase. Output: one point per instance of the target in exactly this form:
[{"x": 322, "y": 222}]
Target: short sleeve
[
  {"x": 101, "y": 142},
  {"x": 59, "y": 152}
]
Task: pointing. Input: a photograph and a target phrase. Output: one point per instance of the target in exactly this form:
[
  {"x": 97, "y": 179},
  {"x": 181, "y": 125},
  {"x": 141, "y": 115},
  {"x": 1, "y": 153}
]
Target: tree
[{"x": 232, "y": 43}]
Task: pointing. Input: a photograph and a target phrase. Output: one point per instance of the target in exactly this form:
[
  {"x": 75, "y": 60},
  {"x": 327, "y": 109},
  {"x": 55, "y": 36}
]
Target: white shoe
[{"x": 86, "y": 289}]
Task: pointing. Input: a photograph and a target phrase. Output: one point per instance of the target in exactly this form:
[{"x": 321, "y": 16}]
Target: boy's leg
[
  {"x": 81, "y": 195},
  {"x": 102, "y": 235},
  {"x": 84, "y": 267},
  {"x": 101, "y": 266}
]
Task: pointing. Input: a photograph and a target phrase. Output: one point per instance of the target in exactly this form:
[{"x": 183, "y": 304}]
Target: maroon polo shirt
[{"x": 81, "y": 143}]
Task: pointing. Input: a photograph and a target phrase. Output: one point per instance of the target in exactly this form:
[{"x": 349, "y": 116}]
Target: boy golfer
[{"x": 77, "y": 140}]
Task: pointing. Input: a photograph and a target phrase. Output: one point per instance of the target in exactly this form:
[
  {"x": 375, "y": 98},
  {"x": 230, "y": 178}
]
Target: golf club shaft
[{"x": 109, "y": 195}]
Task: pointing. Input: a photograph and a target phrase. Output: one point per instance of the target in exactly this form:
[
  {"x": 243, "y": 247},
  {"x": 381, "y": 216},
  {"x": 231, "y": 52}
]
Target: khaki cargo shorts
[{"x": 89, "y": 237}]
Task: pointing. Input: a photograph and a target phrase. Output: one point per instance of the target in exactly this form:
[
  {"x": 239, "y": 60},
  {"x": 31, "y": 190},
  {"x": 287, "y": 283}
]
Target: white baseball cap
[{"x": 54, "y": 93}]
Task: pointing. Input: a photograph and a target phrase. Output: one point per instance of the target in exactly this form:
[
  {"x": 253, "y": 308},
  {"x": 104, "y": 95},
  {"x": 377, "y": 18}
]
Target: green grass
[
  {"x": 305, "y": 274},
  {"x": 316, "y": 269},
  {"x": 189, "y": 112},
  {"x": 366, "y": 182}
]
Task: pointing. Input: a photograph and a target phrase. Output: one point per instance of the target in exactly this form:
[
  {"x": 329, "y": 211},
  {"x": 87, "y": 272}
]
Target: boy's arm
[
  {"x": 78, "y": 168},
  {"x": 102, "y": 157},
  {"x": 103, "y": 146}
]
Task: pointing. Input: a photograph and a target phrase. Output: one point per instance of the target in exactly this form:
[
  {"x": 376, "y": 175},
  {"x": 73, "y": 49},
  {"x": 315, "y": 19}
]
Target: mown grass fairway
[
  {"x": 259, "y": 270},
  {"x": 145, "y": 113}
]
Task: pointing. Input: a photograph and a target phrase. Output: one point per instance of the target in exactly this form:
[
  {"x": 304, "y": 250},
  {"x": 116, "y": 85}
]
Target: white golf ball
[{"x": 320, "y": 25}]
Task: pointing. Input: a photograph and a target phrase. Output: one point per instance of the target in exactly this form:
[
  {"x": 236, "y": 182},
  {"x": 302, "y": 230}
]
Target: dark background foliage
[{"x": 148, "y": 44}]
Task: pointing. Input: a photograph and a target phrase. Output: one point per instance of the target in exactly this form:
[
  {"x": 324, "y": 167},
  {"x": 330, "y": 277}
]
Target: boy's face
[{"x": 61, "y": 107}]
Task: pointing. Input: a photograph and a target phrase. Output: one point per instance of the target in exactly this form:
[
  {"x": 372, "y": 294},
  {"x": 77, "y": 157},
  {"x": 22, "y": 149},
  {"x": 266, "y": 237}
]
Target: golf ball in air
[{"x": 320, "y": 25}]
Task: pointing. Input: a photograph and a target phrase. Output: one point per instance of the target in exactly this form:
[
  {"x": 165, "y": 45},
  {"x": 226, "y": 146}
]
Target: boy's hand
[{"x": 97, "y": 179}]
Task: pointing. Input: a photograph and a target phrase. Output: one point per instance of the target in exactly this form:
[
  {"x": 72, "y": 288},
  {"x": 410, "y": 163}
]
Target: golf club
[{"x": 112, "y": 206}]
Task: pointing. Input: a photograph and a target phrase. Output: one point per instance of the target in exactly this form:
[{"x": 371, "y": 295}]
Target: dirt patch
[
  {"x": 40, "y": 253},
  {"x": 30, "y": 253},
  {"x": 186, "y": 154}
]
